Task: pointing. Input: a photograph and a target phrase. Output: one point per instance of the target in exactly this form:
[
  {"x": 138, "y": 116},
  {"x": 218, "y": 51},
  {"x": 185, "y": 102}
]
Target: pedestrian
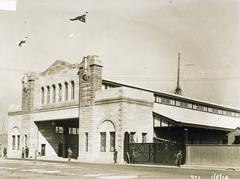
[
  {"x": 179, "y": 158},
  {"x": 5, "y": 152},
  {"x": 115, "y": 156},
  {"x": 70, "y": 153},
  {"x": 26, "y": 151},
  {"x": 133, "y": 156},
  {"x": 23, "y": 152}
]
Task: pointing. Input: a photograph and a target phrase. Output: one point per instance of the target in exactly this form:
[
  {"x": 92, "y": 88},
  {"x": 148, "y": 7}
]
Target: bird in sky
[
  {"x": 22, "y": 42},
  {"x": 81, "y": 18}
]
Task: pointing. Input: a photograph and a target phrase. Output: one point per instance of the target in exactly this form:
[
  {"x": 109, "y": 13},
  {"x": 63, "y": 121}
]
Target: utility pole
[{"x": 178, "y": 89}]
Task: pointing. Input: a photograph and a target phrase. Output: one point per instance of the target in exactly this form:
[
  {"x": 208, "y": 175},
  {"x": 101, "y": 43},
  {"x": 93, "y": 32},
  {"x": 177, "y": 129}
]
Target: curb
[{"x": 185, "y": 167}]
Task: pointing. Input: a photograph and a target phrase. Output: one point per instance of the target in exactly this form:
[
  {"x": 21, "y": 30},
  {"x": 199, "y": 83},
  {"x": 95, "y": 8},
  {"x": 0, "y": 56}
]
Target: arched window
[
  {"x": 15, "y": 138},
  {"x": 42, "y": 95},
  {"x": 48, "y": 94},
  {"x": 54, "y": 94},
  {"x": 59, "y": 92},
  {"x": 66, "y": 91},
  {"x": 107, "y": 136},
  {"x": 72, "y": 90}
]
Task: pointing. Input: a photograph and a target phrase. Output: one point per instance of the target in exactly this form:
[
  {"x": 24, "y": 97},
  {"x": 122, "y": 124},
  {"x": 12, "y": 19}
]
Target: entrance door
[
  {"x": 43, "y": 149},
  {"x": 126, "y": 147},
  {"x": 60, "y": 150}
]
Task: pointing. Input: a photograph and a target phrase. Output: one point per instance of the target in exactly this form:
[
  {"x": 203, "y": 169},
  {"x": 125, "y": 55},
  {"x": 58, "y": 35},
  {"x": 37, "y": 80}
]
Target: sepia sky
[{"x": 138, "y": 42}]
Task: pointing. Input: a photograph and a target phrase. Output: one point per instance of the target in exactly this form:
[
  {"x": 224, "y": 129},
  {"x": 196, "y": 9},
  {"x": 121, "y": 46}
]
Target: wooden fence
[{"x": 213, "y": 155}]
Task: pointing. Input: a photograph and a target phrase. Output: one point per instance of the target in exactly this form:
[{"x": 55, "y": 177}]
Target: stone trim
[
  {"x": 55, "y": 108},
  {"x": 15, "y": 113},
  {"x": 124, "y": 99}
]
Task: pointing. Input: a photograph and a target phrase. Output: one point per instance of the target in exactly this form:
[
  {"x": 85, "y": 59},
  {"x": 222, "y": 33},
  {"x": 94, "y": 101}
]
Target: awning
[{"x": 197, "y": 118}]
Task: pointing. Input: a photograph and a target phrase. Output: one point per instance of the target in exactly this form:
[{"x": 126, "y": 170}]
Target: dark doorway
[
  {"x": 43, "y": 149},
  {"x": 60, "y": 134},
  {"x": 60, "y": 150},
  {"x": 126, "y": 148}
]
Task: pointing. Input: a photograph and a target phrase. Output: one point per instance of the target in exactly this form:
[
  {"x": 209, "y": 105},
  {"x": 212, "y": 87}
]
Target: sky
[{"x": 138, "y": 42}]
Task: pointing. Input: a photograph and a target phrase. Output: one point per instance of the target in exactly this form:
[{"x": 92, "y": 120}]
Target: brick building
[{"x": 52, "y": 118}]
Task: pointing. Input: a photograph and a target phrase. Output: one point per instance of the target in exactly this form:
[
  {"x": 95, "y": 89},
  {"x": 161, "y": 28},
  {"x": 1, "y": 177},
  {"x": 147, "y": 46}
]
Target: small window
[
  {"x": 48, "y": 94},
  {"x": 205, "y": 108},
  {"x": 112, "y": 141},
  {"x": 13, "y": 142},
  {"x": 166, "y": 100},
  {"x": 210, "y": 109},
  {"x": 229, "y": 113},
  {"x": 42, "y": 95},
  {"x": 237, "y": 114},
  {"x": 54, "y": 94},
  {"x": 177, "y": 103},
  {"x": 190, "y": 105},
  {"x": 59, "y": 92},
  {"x": 233, "y": 114},
  {"x": 164, "y": 123},
  {"x": 103, "y": 141},
  {"x": 194, "y": 106},
  {"x": 220, "y": 111},
  {"x": 26, "y": 139},
  {"x": 86, "y": 141},
  {"x": 199, "y": 108},
  {"x": 132, "y": 137},
  {"x": 59, "y": 130},
  {"x": 215, "y": 110},
  {"x": 144, "y": 137},
  {"x": 74, "y": 131},
  {"x": 72, "y": 90},
  {"x": 157, "y": 99},
  {"x": 183, "y": 104},
  {"x": 66, "y": 91},
  {"x": 18, "y": 142},
  {"x": 70, "y": 130}
]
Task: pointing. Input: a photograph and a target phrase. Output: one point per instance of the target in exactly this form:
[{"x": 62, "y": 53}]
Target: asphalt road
[{"x": 20, "y": 169}]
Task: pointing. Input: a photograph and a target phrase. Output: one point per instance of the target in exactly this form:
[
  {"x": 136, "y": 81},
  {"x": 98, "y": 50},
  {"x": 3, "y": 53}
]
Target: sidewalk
[{"x": 190, "y": 167}]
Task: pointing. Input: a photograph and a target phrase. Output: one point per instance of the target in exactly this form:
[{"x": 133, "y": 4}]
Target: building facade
[{"x": 70, "y": 105}]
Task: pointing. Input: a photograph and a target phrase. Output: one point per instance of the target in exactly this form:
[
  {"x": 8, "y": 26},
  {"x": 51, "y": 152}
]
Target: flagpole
[{"x": 82, "y": 19}]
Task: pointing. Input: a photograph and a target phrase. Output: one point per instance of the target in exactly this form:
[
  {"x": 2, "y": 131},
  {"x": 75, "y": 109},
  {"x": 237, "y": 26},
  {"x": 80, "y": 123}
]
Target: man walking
[
  {"x": 115, "y": 156},
  {"x": 5, "y": 152},
  {"x": 179, "y": 158},
  {"x": 23, "y": 152},
  {"x": 70, "y": 153}
]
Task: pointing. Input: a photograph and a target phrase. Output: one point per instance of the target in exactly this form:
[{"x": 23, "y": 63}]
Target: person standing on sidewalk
[
  {"x": 5, "y": 152},
  {"x": 179, "y": 158},
  {"x": 70, "y": 153},
  {"x": 23, "y": 152},
  {"x": 133, "y": 156},
  {"x": 115, "y": 156}
]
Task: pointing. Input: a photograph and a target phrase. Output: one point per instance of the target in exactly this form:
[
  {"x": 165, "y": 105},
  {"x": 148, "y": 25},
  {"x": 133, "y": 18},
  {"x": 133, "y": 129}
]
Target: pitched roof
[{"x": 59, "y": 66}]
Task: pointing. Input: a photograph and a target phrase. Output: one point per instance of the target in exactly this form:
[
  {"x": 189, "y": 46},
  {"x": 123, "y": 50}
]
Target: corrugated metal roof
[{"x": 196, "y": 117}]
